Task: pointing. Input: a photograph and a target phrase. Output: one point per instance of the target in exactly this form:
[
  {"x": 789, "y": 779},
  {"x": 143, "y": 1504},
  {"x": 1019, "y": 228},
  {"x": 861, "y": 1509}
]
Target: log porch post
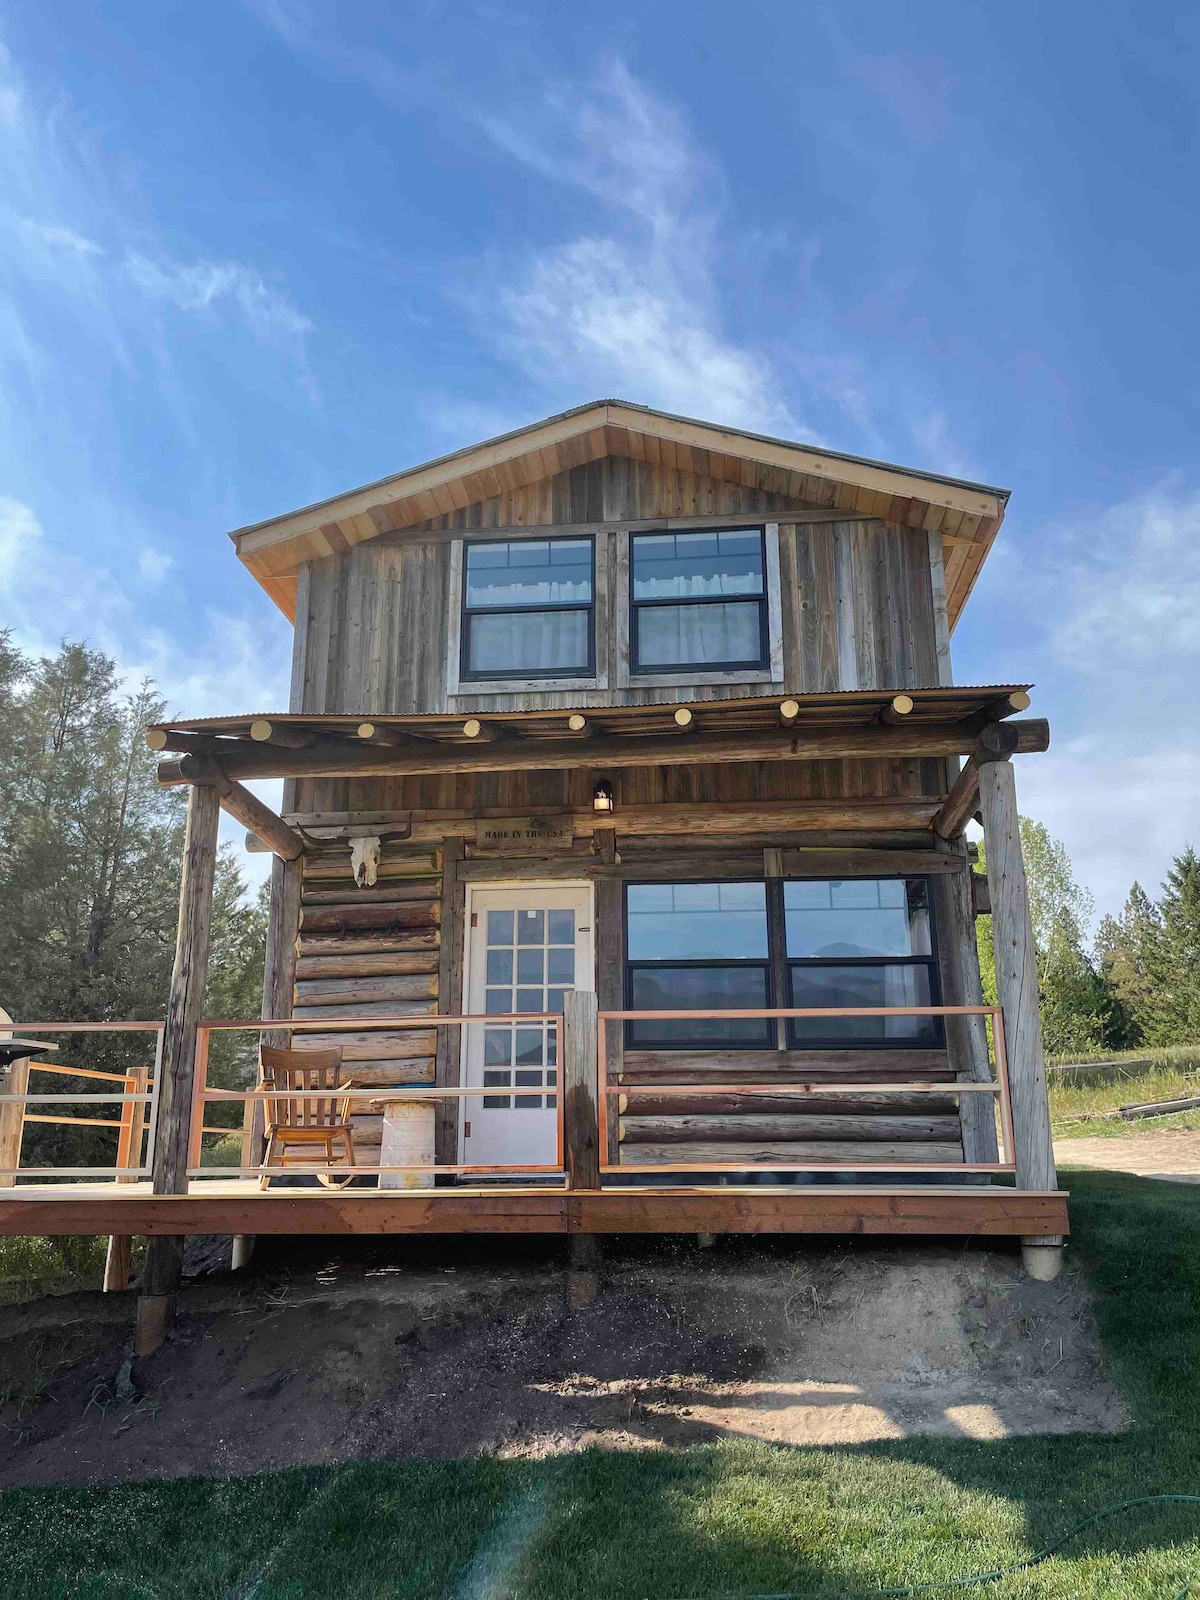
[
  {"x": 1017, "y": 993},
  {"x": 581, "y": 1131},
  {"x": 185, "y": 1008}
]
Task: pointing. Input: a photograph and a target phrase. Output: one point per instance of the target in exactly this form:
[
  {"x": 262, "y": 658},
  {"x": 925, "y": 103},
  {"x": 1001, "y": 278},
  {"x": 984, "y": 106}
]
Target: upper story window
[
  {"x": 528, "y": 609},
  {"x": 699, "y": 600}
]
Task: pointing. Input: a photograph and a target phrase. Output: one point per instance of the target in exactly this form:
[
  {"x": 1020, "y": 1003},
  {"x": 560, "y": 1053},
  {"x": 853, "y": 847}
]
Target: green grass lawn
[
  {"x": 1075, "y": 1108},
  {"x": 729, "y": 1519}
]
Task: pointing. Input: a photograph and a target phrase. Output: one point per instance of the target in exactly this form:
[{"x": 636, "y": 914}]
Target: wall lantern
[{"x": 602, "y": 798}]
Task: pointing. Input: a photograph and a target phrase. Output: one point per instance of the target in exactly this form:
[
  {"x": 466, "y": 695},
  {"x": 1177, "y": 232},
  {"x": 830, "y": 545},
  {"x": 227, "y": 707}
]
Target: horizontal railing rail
[
  {"x": 999, "y": 1087},
  {"x": 204, "y": 1095},
  {"x": 138, "y": 1095}
]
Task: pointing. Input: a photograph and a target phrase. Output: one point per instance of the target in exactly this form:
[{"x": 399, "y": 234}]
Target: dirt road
[{"x": 1173, "y": 1154}]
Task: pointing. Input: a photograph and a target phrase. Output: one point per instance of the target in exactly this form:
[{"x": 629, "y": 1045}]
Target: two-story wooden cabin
[{"x": 628, "y": 705}]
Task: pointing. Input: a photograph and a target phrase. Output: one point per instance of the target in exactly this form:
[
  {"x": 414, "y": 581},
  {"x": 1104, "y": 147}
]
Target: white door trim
[{"x": 581, "y": 886}]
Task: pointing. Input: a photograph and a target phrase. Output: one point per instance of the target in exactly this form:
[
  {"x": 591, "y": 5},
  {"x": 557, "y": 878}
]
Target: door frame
[{"x": 533, "y": 885}]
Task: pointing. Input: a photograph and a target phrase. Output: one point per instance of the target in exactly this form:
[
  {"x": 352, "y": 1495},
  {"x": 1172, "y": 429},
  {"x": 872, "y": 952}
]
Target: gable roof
[{"x": 967, "y": 515}]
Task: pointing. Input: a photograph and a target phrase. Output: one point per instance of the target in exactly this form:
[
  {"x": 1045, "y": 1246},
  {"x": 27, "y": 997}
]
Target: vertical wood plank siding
[{"x": 860, "y": 608}]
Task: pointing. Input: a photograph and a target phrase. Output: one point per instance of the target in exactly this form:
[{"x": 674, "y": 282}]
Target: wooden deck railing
[
  {"x": 999, "y": 1088},
  {"x": 205, "y": 1095},
  {"x": 137, "y": 1098}
]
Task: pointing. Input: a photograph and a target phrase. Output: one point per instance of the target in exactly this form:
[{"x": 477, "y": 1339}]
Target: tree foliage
[{"x": 90, "y": 849}]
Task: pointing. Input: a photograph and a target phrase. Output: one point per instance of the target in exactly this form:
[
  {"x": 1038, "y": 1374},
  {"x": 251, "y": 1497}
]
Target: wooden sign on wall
[{"x": 524, "y": 836}]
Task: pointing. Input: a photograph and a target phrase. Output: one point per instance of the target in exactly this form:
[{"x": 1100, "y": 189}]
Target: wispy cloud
[
  {"x": 20, "y": 536},
  {"x": 65, "y": 238},
  {"x": 220, "y": 285},
  {"x": 632, "y": 310}
]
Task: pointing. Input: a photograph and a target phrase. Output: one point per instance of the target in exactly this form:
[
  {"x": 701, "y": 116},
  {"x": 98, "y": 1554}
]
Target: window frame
[
  {"x": 764, "y": 964},
  {"x": 465, "y": 673},
  {"x": 762, "y": 664},
  {"x": 778, "y": 967}
]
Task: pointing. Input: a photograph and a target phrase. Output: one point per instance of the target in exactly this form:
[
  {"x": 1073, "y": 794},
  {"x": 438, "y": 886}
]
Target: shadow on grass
[{"x": 735, "y": 1518}]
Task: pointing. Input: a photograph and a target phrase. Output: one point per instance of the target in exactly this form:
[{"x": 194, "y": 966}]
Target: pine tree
[
  {"x": 1076, "y": 1007},
  {"x": 1123, "y": 947},
  {"x": 1173, "y": 964},
  {"x": 90, "y": 847}
]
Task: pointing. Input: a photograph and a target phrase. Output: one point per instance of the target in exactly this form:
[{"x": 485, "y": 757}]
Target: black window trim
[
  {"x": 520, "y": 674},
  {"x": 778, "y": 965},
  {"x": 762, "y": 661}
]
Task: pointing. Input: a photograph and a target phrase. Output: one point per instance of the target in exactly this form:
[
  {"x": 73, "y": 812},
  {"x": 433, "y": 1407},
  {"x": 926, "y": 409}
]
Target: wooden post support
[
  {"x": 966, "y": 1037},
  {"x": 185, "y": 1008},
  {"x": 1016, "y": 980},
  {"x": 448, "y": 1056},
  {"x": 14, "y": 1080},
  {"x": 247, "y": 808},
  {"x": 582, "y": 1134},
  {"x": 579, "y": 1083}
]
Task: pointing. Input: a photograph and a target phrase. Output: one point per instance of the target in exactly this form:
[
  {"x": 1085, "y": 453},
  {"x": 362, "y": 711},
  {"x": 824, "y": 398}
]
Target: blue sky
[{"x": 252, "y": 255}]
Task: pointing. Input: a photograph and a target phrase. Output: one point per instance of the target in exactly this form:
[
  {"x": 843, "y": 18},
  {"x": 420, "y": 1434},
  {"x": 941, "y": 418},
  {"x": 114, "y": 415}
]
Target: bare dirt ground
[
  {"x": 375, "y": 1353},
  {"x": 1172, "y": 1153}
]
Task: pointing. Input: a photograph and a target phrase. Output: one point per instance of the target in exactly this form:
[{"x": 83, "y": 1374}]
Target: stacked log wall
[{"x": 371, "y": 953}]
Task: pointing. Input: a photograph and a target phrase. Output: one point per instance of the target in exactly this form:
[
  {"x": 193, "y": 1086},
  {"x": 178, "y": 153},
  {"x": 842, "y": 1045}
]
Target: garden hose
[{"x": 980, "y": 1578}]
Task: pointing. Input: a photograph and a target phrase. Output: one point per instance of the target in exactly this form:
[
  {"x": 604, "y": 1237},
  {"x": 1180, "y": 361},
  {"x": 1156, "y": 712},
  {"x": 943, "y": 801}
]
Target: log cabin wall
[
  {"x": 399, "y": 947},
  {"x": 371, "y": 953},
  {"x": 861, "y": 602}
]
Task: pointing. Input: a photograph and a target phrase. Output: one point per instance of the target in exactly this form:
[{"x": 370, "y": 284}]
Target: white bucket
[{"x": 408, "y": 1140}]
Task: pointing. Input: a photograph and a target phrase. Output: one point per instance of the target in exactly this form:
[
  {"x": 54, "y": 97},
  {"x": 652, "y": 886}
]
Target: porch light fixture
[{"x": 602, "y": 798}]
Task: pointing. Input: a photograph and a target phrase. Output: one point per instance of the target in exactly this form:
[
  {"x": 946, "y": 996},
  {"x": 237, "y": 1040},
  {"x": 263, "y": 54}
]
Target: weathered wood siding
[
  {"x": 386, "y": 970},
  {"x": 863, "y": 604}
]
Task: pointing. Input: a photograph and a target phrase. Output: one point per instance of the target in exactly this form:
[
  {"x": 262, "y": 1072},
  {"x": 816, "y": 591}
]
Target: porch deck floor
[{"x": 238, "y": 1205}]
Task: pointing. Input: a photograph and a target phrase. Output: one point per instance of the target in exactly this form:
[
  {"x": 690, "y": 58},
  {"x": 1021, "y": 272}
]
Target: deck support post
[
  {"x": 581, "y": 1126},
  {"x": 1017, "y": 993},
  {"x": 185, "y": 1008},
  {"x": 966, "y": 1037}
]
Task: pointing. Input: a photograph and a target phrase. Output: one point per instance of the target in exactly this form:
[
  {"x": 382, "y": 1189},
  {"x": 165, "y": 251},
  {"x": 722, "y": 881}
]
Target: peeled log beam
[
  {"x": 367, "y": 965},
  {"x": 400, "y": 1046},
  {"x": 961, "y": 805},
  {"x": 246, "y": 807},
  {"x": 697, "y": 1129},
  {"x": 645, "y": 1103},
  {"x": 332, "y": 758},
  {"x": 415, "y": 986},
  {"x": 332, "y": 919},
  {"x": 337, "y": 1011},
  {"x": 282, "y": 734},
  {"x": 999, "y": 709},
  {"x": 842, "y": 1152},
  {"x": 385, "y": 894}
]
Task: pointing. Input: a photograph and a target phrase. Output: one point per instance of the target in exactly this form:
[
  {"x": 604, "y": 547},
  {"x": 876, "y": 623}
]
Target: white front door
[{"x": 525, "y": 948}]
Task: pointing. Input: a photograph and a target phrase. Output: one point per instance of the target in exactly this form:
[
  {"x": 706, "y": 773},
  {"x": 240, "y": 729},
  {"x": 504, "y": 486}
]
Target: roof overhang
[
  {"x": 967, "y": 515},
  {"x": 857, "y": 724}
]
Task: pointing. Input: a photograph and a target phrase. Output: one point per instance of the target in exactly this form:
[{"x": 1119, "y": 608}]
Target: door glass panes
[{"x": 529, "y": 961}]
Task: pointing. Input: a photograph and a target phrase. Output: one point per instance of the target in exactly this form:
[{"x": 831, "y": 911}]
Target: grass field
[
  {"x": 729, "y": 1519},
  {"x": 1075, "y": 1108}
]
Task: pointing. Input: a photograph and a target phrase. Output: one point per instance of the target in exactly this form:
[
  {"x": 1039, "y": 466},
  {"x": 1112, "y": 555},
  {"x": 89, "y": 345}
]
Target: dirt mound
[{"x": 381, "y": 1354}]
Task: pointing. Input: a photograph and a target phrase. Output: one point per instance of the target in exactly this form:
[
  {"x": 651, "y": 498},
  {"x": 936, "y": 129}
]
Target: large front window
[
  {"x": 699, "y": 600},
  {"x": 697, "y": 947},
  {"x": 527, "y": 609},
  {"x": 860, "y": 942},
  {"x": 825, "y": 944}
]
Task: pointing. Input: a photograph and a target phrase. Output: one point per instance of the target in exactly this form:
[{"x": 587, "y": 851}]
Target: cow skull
[{"x": 364, "y": 860}]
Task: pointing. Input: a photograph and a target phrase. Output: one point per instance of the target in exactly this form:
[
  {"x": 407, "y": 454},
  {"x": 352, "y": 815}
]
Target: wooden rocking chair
[{"x": 291, "y": 1122}]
